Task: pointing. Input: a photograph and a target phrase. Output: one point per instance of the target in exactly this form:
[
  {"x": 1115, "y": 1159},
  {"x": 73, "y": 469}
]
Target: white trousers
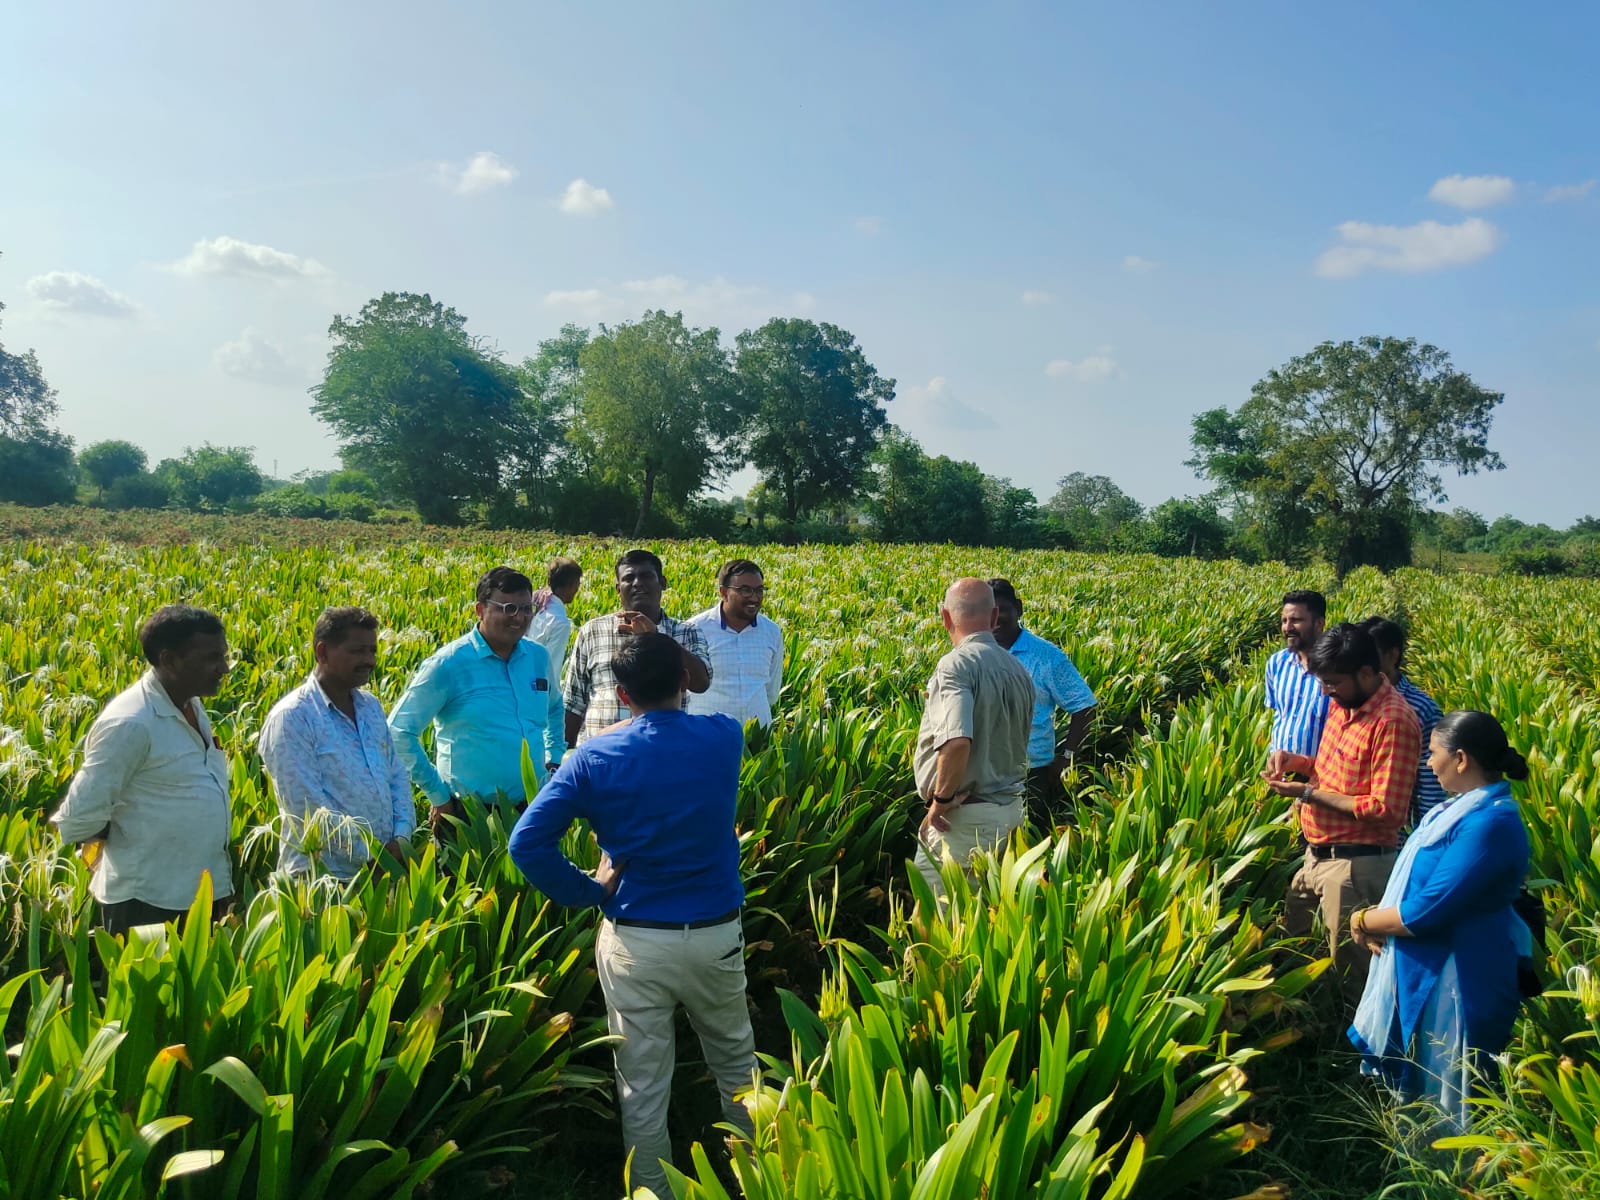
[
  {"x": 973, "y": 827},
  {"x": 645, "y": 974}
]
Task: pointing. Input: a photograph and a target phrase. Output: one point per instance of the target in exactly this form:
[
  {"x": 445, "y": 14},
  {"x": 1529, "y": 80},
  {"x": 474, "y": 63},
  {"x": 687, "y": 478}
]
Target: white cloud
[
  {"x": 1426, "y": 246},
  {"x": 1096, "y": 368},
  {"x": 251, "y": 356},
  {"x": 717, "y": 301},
  {"x": 803, "y": 302},
  {"x": 583, "y": 199},
  {"x": 484, "y": 170},
  {"x": 938, "y": 405},
  {"x": 230, "y": 256},
  {"x": 73, "y": 292},
  {"x": 1571, "y": 191},
  {"x": 1473, "y": 191},
  {"x": 1033, "y": 297},
  {"x": 1139, "y": 266},
  {"x": 869, "y": 226}
]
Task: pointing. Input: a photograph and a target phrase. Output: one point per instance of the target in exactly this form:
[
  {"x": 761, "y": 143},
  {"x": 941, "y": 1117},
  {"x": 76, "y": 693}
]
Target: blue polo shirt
[
  {"x": 660, "y": 794},
  {"x": 482, "y": 708}
]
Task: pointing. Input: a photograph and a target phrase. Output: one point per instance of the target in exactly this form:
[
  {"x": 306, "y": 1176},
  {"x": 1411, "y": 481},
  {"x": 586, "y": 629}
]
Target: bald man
[{"x": 972, "y": 748}]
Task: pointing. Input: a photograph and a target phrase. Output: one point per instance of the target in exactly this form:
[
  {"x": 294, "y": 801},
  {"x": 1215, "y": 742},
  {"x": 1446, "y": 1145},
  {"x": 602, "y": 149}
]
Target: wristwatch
[{"x": 937, "y": 799}]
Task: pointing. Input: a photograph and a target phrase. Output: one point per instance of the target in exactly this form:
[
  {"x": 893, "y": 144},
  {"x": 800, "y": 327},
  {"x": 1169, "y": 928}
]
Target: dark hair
[
  {"x": 171, "y": 627},
  {"x": 1484, "y": 741},
  {"x": 1389, "y": 635},
  {"x": 640, "y": 558},
  {"x": 1004, "y": 593},
  {"x": 736, "y": 566},
  {"x": 502, "y": 579},
  {"x": 563, "y": 572},
  {"x": 650, "y": 666},
  {"x": 335, "y": 624},
  {"x": 1343, "y": 649},
  {"x": 1315, "y": 601}
]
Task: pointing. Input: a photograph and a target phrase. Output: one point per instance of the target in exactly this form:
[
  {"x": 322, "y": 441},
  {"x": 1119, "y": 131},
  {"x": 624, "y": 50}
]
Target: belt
[
  {"x": 1326, "y": 850},
  {"x": 703, "y": 923}
]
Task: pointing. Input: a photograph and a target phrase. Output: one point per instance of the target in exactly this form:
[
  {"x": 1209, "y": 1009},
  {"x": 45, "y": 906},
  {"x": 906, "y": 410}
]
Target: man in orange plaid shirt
[{"x": 1352, "y": 811}]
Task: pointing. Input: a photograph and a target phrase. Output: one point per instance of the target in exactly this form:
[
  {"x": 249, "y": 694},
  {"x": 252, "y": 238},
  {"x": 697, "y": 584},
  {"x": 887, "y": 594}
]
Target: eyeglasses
[
  {"x": 509, "y": 610},
  {"x": 745, "y": 590}
]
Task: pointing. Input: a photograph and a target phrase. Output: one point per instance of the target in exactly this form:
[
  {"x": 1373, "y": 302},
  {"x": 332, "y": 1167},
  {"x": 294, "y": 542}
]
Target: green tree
[
  {"x": 659, "y": 408},
  {"x": 1344, "y": 443},
  {"x": 1093, "y": 510},
  {"x": 419, "y": 404},
  {"x": 1188, "y": 529},
  {"x": 27, "y": 402},
  {"x": 543, "y": 458},
  {"x": 106, "y": 462},
  {"x": 38, "y": 469},
  {"x": 815, "y": 406},
  {"x": 143, "y": 490},
  {"x": 212, "y": 477},
  {"x": 916, "y": 498}
]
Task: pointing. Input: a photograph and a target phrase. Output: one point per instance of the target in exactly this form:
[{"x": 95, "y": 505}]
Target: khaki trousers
[
  {"x": 973, "y": 827},
  {"x": 645, "y": 975},
  {"x": 1330, "y": 889}
]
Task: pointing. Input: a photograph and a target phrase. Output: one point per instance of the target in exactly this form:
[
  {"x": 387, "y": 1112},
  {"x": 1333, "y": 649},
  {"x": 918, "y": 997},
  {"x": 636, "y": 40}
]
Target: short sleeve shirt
[{"x": 979, "y": 691}]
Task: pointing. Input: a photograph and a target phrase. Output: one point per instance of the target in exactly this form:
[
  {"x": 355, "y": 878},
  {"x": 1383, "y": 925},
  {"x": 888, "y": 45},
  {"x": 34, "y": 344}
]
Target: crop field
[{"x": 1108, "y": 1011}]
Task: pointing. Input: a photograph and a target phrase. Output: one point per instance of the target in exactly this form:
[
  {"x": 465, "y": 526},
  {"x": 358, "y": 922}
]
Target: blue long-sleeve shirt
[
  {"x": 482, "y": 707},
  {"x": 660, "y": 794}
]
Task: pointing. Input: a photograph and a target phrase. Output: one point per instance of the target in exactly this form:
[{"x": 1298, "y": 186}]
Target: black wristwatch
[{"x": 938, "y": 799}]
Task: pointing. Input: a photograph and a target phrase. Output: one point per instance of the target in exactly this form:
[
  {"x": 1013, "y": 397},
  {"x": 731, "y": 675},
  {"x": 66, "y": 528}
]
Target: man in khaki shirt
[{"x": 971, "y": 758}]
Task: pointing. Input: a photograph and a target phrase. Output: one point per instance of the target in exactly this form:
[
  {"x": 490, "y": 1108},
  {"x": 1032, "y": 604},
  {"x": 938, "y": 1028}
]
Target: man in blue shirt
[
  {"x": 1295, "y": 696},
  {"x": 1056, "y": 685},
  {"x": 485, "y": 694},
  {"x": 1391, "y": 639},
  {"x": 660, "y": 792}
]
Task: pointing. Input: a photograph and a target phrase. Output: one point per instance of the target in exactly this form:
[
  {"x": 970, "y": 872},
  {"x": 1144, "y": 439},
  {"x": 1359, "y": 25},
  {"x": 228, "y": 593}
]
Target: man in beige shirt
[{"x": 971, "y": 759}]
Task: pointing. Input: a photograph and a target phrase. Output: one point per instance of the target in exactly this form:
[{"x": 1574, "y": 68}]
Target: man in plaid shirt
[
  {"x": 1359, "y": 797},
  {"x": 590, "y": 691}
]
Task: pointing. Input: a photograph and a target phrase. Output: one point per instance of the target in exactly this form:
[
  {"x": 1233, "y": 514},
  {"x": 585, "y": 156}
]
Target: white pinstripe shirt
[{"x": 746, "y": 667}]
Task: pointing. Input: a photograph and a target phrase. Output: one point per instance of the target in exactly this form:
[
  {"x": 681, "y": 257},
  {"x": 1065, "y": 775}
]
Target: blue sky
[{"x": 1063, "y": 229}]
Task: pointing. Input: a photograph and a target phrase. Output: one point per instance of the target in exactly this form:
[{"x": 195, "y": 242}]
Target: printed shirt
[
  {"x": 163, "y": 789},
  {"x": 979, "y": 691},
  {"x": 1370, "y": 755},
  {"x": 591, "y": 688},
  {"x": 1428, "y": 795},
  {"x": 661, "y": 795},
  {"x": 1056, "y": 684},
  {"x": 747, "y": 667},
  {"x": 343, "y": 776},
  {"x": 551, "y": 627},
  {"x": 482, "y": 708},
  {"x": 1298, "y": 704}
]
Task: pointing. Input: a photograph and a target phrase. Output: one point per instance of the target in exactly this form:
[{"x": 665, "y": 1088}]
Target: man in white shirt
[
  {"x": 333, "y": 764},
  {"x": 746, "y": 650},
  {"x": 153, "y": 787},
  {"x": 551, "y": 627}
]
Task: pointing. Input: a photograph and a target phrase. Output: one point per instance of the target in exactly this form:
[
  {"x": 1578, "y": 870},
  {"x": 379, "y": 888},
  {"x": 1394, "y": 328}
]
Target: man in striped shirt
[
  {"x": 1295, "y": 696},
  {"x": 1391, "y": 639},
  {"x": 1359, "y": 794}
]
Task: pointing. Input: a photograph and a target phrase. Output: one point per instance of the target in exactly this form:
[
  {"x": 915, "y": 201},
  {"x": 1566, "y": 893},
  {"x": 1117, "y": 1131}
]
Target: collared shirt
[
  {"x": 334, "y": 773},
  {"x": 1299, "y": 705},
  {"x": 163, "y": 789},
  {"x": 591, "y": 687},
  {"x": 1369, "y": 754},
  {"x": 1428, "y": 795},
  {"x": 551, "y": 627},
  {"x": 660, "y": 794},
  {"x": 1056, "y": 684},
  {"x": 482, "y": 708},
  {"x": 747, "y": 667},
  {"x": 980, "y": 691}
]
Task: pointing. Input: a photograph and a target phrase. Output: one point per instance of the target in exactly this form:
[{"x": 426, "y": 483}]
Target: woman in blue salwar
[{"x": 1443, "y": 992}]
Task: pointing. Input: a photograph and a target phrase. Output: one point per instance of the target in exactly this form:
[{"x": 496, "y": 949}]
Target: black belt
[
  {"x": 1326, "y": 850},
  {"x": 704, "y": 923}
]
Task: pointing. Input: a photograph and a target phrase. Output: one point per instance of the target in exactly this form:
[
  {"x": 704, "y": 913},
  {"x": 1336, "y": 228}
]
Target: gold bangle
[{"x": 1359, "y": 921}]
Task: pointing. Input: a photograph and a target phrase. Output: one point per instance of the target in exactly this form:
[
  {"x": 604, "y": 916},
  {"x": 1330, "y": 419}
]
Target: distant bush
[
  {"x": 1535, "y": 562},
  {"x": 142, "y": 490}
]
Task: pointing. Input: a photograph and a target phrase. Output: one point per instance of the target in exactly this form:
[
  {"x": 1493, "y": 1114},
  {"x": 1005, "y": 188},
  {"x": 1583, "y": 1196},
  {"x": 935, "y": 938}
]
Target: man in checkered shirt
[
  {"x": 1359, "y": 797},
  {"x": 590, "y": 690}
]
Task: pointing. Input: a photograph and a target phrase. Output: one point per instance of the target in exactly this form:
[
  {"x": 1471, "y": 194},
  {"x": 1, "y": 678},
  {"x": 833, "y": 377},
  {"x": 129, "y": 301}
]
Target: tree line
[{"x": 626, "y": 429}]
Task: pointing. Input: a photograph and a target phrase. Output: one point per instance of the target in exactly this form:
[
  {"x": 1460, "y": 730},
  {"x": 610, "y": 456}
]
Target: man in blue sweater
[{"x": 659, "y": 791}]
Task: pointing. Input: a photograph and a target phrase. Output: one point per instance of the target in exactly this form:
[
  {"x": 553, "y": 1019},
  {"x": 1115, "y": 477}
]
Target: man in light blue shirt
[
  {"x": 551, "y": 627},
  {"x": 327, "y": 747},
  {"x": 1056, "y": 685},
  {"x": 485, "y": 694}
]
